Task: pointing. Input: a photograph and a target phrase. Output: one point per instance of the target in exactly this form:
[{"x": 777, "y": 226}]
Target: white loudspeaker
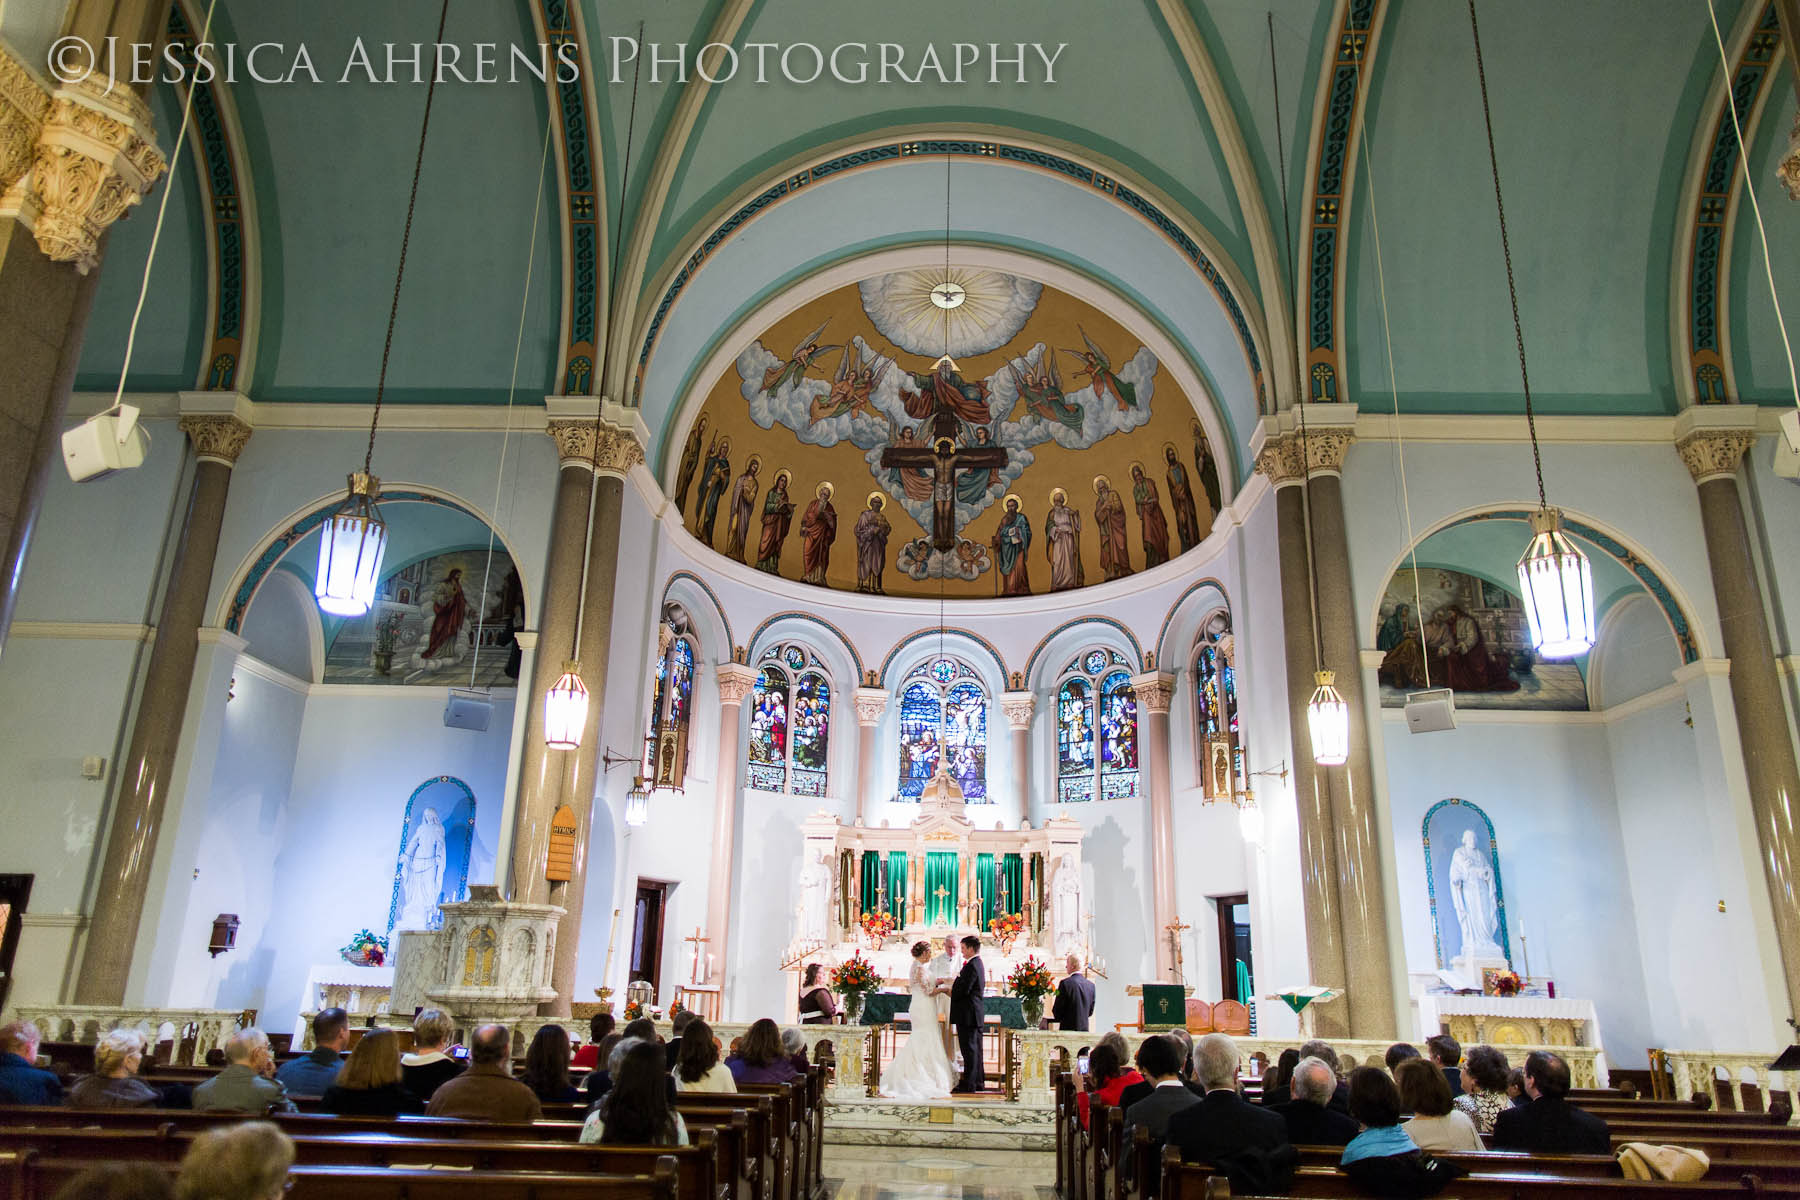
[
  {"x": 468, "y": 709},
  {"x": 104, "y": 443},
  {"x": 1430, "y": 711},
  {"x": 1787, "y": 446}
]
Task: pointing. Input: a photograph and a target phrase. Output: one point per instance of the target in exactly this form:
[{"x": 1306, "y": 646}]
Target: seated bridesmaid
[{"x": 817, "y": 1005}]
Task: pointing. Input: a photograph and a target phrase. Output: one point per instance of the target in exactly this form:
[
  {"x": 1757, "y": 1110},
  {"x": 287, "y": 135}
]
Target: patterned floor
[{"x": 873, "y": 1173}]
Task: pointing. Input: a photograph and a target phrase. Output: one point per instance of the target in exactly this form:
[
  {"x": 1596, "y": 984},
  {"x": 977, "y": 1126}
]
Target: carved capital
[
  {"x": 96, "y": 157},
  {"x": 217, "y": 438},
  {"x": 870, "y": 703},
  {"x": 735, "y": 682},
  {"x": 1287, "y": 458},
  {"x": 1018, "y": 707},
  {"x": 1279, "y": 460},
  {"x": 618, "y": 452},
  {"x": 23, "y": 107},
  {"x": 1154, "y": 691},
  {"x": 1714, "y": 453},
  {"x": 1789, "y": 168}
]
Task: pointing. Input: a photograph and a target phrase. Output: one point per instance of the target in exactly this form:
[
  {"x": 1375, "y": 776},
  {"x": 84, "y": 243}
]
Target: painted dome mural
[{"x": 975, "y": 433}]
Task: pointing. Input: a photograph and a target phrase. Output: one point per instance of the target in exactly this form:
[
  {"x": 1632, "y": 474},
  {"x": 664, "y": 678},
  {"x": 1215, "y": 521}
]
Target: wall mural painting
[
  {"x": 1462, "y": 880},
  {"x": 427, "y": 621},
  {"x": 975, "y": 424},
  {"x": 1475, "y": 642},
  {"x": 433, "y": 865}
]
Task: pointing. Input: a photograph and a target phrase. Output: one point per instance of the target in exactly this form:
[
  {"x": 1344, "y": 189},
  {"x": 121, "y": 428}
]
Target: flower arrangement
[
  {"x": 877, "y": 926},
  {"x": 1505, "y": 983},
  {"x": 675, "y": 1010},
  {"x": 365, "y": 950},
  {"x": 1030, "y": 980},
  {"x": 634, "y": 1009},
  {"x": 855, "y": 976},
  {"x": 1006, "y": 928}
]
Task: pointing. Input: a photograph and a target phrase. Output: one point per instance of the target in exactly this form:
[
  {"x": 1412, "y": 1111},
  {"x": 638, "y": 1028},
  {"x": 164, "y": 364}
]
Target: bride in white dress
[{"x": 921, "y": 1071}]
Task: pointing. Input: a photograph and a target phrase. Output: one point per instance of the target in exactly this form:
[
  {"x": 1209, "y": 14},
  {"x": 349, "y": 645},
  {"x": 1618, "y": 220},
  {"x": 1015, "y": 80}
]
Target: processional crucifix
[
  {"x": 944, "y": 459},
  {"x": 698, "y": 942},
  {"x": 1175, "y": 930}
]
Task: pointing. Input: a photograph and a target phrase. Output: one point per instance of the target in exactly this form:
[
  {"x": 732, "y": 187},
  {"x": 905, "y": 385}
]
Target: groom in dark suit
[{"x": 967, "y": 1012}]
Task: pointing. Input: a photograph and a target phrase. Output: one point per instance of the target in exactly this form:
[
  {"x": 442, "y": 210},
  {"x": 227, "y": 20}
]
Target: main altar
[{"x": 940, "y": 875}]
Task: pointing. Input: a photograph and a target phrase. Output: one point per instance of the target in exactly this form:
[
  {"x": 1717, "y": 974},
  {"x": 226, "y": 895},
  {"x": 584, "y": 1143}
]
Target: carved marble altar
[
  {"x": 493, "y": 958},
  {"x": 1508, "y": 1021}
]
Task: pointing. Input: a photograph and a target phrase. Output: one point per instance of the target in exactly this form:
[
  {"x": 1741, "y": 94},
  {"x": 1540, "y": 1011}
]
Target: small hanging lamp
[
  {"x": 637, "y": 803},
  {"x": 565, "y": 709},
  {"x": 1328, "y": 719},
  {"x": 351, "y": 546}
]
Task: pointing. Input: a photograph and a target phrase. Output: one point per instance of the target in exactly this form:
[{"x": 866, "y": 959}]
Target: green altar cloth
[{"x": 881, "y": 1008}]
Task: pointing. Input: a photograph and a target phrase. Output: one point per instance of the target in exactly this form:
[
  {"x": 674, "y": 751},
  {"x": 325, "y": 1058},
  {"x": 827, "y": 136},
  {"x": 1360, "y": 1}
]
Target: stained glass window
[
  {"x": 1096, "y": 729},
  {"x": 943, "y": 709},
  {"x": 790, "y": 724},
  {"x": 673, "y": 707},
  {"x": 1215, "y": 698}
]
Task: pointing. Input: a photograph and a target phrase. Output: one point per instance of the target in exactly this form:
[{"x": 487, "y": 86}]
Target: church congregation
[{"x": 1139, "y": 601}]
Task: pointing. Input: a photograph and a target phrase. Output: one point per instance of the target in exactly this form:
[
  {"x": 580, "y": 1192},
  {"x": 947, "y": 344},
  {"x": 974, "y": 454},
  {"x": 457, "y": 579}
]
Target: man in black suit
[
  {"x": 1309, "y": 1121},
  {"x": 1549, "y": 1124},
  {"x": 1446, "y": 1052},
  {"x": 1074, "y": 1004},
  {"x": 967, "y": 1012},
  {"x": 1247, "y": 1143}
]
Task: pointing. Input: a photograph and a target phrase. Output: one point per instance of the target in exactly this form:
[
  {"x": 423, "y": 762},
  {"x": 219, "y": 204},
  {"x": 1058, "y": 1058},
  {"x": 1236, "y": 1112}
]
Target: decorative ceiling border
[
  {"x": 1342, "y": 93},
  {"x": 559, "y": 23},
  {"x": 889, "y": 153},
  {"x": 1714, "y": 192}
]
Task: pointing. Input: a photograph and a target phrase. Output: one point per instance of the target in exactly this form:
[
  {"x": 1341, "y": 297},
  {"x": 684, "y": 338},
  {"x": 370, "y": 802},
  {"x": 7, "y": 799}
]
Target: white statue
[
  {"x": 1065, "y": 907},
  {"x": 1472, "y": 893},
  {"x": 422, "y": 874},
  {"x": 815, "y": 898}
]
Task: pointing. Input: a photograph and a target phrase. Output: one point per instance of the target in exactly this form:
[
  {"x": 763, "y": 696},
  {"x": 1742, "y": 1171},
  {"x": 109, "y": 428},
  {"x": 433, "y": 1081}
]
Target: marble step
[{"x": 960, "y": 1124}]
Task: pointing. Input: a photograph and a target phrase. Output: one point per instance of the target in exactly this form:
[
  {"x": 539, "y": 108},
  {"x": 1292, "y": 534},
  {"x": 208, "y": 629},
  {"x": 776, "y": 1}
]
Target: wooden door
[
  {"x": 647, "y": 933},
  {"x": 15, "y": 891},
  {"x": 1234, "y": 947}
]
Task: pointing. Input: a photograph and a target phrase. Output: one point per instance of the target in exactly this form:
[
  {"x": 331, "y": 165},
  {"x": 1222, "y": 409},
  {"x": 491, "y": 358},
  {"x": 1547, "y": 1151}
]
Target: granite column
[{"x": 1154, "y": 690}]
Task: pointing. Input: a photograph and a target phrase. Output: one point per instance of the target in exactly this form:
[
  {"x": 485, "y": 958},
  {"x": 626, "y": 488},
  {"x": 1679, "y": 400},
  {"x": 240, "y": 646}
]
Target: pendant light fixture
[
  {"x": 637, "y": 800},
  {"x": 1555, "y": 581},
  {"x": 1327, "y": 715},
  {"x": 566, "y": 703},
  {"x": 354, "y": 541}
]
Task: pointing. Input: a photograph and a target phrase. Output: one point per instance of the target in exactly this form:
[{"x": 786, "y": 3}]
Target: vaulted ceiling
[{"x": 1151, "y": 168}]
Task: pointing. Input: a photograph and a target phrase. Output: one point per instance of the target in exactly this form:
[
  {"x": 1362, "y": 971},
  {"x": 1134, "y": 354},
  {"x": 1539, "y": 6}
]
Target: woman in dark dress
[
  {"x": 817, "y": 1005},
  {"x": 368, "y": 1084},
  {"x": 429, "y": 1065},
  {"x": 547, "y": 1066}
]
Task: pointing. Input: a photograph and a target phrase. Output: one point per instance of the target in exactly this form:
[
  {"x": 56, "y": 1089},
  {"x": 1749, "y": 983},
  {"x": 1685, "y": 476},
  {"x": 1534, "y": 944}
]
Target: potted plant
[
  {"x": 1030, "y": 982},
  {"x": 854, "y": 979},
  {"x": 387, "y": 634}
]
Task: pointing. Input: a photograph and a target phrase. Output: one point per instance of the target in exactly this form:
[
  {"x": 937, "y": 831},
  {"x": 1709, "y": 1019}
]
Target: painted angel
[
  {"x": 1098, "y": 367},
  {"x": 805, "y": 356}
]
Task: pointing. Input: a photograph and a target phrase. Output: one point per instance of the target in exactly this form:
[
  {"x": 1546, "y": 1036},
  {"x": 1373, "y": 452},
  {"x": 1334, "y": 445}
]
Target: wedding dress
[{"x": 921, "y": 1071}]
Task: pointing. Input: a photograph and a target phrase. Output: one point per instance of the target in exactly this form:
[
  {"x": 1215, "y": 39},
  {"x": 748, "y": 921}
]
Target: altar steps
[{"x": 959, "y": 1124}]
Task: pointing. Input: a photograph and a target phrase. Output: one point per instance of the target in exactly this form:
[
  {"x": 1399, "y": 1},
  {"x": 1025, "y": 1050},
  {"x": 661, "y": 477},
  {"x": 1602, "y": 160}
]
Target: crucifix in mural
[{"x": 948, "y": 401}]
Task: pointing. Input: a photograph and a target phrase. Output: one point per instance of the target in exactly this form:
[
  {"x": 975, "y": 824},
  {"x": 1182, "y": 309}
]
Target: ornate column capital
[
  {"x": 23, "y": 106},
  {"x": 1278, "y": 458},
  {"x": 1018, "y": 707},
  {"x": 1154, "y": 690},
  {"x": 735, "y": 682},
  {"x": 870, "y": 703},
  {"x": 1712, "y": 454},
  {"x": 1789, "y": 168},
  {"x": 217, "y": 437},
  {"x": 619, "y": 449},
  {"x": 1287, "y": 457}
]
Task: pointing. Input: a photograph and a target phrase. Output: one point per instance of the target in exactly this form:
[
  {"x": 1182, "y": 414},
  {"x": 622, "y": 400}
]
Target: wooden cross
[
  {"x": 943, "y": 459},
  {"x": 698, "y": 941}
]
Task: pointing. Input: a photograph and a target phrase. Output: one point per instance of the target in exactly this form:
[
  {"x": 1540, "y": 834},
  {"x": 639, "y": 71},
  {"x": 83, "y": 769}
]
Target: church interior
[{"x": 547, "y": 507}]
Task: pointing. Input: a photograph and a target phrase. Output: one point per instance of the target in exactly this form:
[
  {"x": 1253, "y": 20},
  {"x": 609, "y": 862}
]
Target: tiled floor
[{"x": 920, "y": 1173}]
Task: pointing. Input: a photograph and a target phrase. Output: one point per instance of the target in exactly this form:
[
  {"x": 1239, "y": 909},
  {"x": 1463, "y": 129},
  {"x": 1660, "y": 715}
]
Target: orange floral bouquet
[
  {"x": 1006, "y": 928},
  {"x": 854, "y": 979},
  {"x": 1030, "y": 982},
  {"x": 877, "y": 927},
  {"x": 633, "y": 1010},
  {"x": 1507, "y": 983}
]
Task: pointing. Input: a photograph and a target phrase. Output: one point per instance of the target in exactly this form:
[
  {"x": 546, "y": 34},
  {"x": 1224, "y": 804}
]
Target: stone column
[
  {"x": 144, "y": 777},
  {"x": 1712, "y": 447},
  {"x": 1278, "y": 459},
  {"x": 735, "y": 682},
  {"x": 1154, "y": 690},
  {"x": 548, "y": 779},
  {"x": 1018, "y": 707},
  {"x": 871, "y": 703}
]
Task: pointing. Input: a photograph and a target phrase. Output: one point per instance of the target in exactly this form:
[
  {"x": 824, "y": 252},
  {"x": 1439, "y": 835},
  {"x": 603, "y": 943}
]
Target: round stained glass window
[
  {"x": 795, "y": 657},
  {"x": 943, "y": 670},
  {"x": 1095, "y": 662}
]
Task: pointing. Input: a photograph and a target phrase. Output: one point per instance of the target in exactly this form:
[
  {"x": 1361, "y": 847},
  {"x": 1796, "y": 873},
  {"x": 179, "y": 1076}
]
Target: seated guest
[
  {"x": 1309, "y": 1121},
  {"x": 588, "y": 1057},
  {"x": 119, "y": 1181},
  {"x": 643, "y": 1029},
  {"x": 114, "y": 1083},
  {"x": 1073, "y": 1007},
  {"x": 312, "y": 1073},
  {"x": 677, "y": 1024},
  {"x": 698, "y": 1068},
  {"x": 761, "y": 1059},
  {"x": 1184, "y": 1042},
  {"x": 1484, "y": 1087},
  {"x": 1107, "y": 1079},
  {"x": 246, "y": 1161},
  {"x": 1383, "y": 1160},
  {"x": 1160, "y": 1059},
  {"x": 1249, "y": 1144},
  {"x": 793, "y": 1043},
  {"x": 1143, "y": 1087},
  {"x": 1278, "y": 1089},
  {"x": 1550, "y": 1124},
  {"x": 1398, "y": 1053},
  {"x": 486, "y": 1091},
  {"x": 371, "y": 1082},
  {"x": 1515, "y": 1088},
  {"x": 1437, "y": 1126},
  {"x": 599, "y": 1080},
  {"x": 547, "y": 1066},
  {"x": 1340, "y": 1099},
  {"x": 637, "y": 1111},
  {"x": 817, "y": 1005},
  {"x": 1446, "y": 1052},
  {"x": 429, "y": 1066},
  {"x": 246, "y": 1084},
  {"x": 21, "y": 1082}
]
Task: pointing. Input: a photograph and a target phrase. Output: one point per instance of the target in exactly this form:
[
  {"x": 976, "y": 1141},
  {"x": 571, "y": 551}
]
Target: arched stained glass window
[
  {"x": 790, "y": 724},
  {"x": 943, "y": 711},
  {"x": 1216, "y": 712},
  {"x": 1096, "y": 729},
  {"x": 666, "y": 746}
]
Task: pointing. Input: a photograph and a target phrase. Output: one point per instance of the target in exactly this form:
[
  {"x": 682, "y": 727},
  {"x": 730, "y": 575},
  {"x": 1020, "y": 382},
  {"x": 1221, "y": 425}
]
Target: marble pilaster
[
  {"x": 1018, "y": 707},
  {"x": 735, "y": 681},
  {"x": 1154, "y": 690},
  {"x": 871, "y": 703}
]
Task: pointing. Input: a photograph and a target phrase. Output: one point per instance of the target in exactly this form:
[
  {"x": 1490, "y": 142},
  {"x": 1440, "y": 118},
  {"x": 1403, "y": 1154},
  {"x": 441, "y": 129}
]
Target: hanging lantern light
[
  {"x": 565, "y": 709},
  {"x": 637, "y": 803},
  {"x": 1329, "y": 719},
  {"x": 1558, "y": 589},
  {"x": 1250, "y": 820},
  {"x": 351, "y": 546}
]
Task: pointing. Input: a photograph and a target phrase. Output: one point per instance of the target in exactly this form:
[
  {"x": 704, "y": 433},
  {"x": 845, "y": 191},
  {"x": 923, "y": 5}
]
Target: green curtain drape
[
  {"x": 940, "y": 872},
  {"x": 1243, "y": 982},
  {"x": 1012, "y": 884},
  {"x": 871, "y": 882},
  {"x": 984, "y": 876},
  {"x": 897, "y": 887}
]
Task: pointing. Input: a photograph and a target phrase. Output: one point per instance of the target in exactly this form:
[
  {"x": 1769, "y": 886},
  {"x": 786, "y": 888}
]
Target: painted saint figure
[
  {"x": 871, "y": 530},
  {"x": 422, "y": 873},
  {"x": 1181, "y": 499},
  {"x": 1208, "y": 471},
  {"x": 973, "y": 482},
  {"x": 818, "y": 529},
  {"x": 690, "y": 463},
  {"x": 1010, "y": 543},
  {"x": 1062, "y": 543},
  {"x": 447, "y": 605},
  {"x": 712, "y": 489},
  {"x": 743, "y": 505},
  {"x": 1109, "y": 519},
  {"x": 1150, "y": 516},
  {"x": 778, "y": 512}
]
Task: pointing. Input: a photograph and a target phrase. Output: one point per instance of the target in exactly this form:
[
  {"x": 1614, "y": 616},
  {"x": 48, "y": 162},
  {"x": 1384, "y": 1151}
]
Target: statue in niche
[
  {"x": 1472, "y": 892},
  {"x": 422, "y": 878},
  {"x": 1065, "y": 906},
  {"x": 815, "y": 898}
]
